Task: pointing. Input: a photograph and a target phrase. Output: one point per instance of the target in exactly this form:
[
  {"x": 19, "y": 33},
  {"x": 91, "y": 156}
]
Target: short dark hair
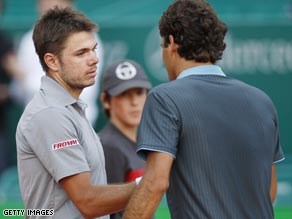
[
  {"x": 54, "y": 27},
  {"x": 195, "y": 28}
]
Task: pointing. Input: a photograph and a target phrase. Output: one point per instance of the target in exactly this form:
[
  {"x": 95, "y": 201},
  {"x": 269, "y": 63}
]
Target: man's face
[
  {"x": 78, "y": 59},
  {"x": 126, "y": 108}
]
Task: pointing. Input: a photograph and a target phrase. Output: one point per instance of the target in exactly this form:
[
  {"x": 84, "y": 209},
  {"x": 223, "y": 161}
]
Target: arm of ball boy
[
  {"x": 96, "y": 200},
  {"x": 152, "y": 187},
  {"x": 273, "y": 188}
]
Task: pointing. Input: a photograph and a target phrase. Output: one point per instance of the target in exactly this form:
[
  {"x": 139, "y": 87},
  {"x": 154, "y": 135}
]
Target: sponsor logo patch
[{"x": 65, "y": 144}]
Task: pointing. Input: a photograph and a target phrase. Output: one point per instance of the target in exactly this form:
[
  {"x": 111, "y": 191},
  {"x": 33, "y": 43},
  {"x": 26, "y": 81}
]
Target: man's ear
[
  {"x": 172, "y": 43},
  {"x": 52, "y": 61},
  {"x": 105, "y": 101}
]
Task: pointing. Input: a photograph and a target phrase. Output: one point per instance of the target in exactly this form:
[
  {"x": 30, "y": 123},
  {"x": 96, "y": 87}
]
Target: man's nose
[{"x": 93, "y": 58}]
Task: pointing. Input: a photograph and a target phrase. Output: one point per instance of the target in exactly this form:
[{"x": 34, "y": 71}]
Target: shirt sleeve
[
  {"x": 53, "y": 137},
  {"x": 160, "y": 125}
]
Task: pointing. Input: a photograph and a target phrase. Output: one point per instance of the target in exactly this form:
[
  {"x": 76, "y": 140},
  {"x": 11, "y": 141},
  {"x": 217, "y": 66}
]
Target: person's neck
[
  {"x": 186, "y": 64},
  {"x": 129, "y": 131}
]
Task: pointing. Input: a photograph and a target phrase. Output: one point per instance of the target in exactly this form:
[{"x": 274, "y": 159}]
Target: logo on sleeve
[{"x": 65, "y": 144}]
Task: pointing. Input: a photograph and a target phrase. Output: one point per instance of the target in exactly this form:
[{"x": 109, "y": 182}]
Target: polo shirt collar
[
  {"x": 202, "y": 70},
  {"x": 55, "y": 93}
]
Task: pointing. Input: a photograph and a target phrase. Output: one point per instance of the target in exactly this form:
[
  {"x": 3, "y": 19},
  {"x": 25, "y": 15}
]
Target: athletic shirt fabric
[
  {"x": 120, "y": 155},
  {"x": 224, "y": 137},
  {"x": 55, "y": 140},
  {"x": 121, "y": 161}
]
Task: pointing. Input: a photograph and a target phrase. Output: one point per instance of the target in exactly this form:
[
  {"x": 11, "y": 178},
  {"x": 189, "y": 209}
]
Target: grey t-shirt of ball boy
[{"x": 54, "y": 141}]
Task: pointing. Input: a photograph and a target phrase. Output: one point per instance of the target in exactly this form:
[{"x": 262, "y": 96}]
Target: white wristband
[{"x": 138, "y": 180}]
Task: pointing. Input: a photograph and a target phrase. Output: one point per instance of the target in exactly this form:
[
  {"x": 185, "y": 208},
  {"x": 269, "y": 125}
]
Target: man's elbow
[
  {"x": 87, "y": 216},
  {"x": 84, "y": 209},
  {"x": 159, "y": 185},
  {"x": 84, "y": 205},
  {"x": 87, "y": 213}
]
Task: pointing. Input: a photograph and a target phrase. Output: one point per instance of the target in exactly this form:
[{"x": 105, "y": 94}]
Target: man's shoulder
[
  {"x": 168, "y": 91},
  {"x": 109, "y": 135},
  {"x": 105, "y": 132},
  {"x": 252, "y": 90},
  {"x": 166, "y": 87},
  {"x": 39, "y": 111},
  {"x": 112, "y": 138}
]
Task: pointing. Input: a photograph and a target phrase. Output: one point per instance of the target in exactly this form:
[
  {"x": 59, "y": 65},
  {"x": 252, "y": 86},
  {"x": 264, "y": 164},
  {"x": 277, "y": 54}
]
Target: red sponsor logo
[{"x": 64, "y": 144}]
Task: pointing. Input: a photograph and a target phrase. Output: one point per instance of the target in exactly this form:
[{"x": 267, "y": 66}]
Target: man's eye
[{"x": 80, "y": 53}]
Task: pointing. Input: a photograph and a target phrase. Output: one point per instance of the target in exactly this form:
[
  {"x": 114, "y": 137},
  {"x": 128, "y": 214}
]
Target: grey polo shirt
[{"x": 55, "y": 140}]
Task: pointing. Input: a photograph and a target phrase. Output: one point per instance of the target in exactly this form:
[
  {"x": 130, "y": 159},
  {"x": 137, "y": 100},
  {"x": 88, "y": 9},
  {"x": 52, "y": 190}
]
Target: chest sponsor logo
[{"x": 65, "y": 144}]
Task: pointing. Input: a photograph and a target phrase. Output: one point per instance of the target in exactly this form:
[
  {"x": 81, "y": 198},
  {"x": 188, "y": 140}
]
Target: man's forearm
[
  {"x": 144, "y": 201},
  {"x": 96, "y": 200},
  {"x": 110, "y": 199}
]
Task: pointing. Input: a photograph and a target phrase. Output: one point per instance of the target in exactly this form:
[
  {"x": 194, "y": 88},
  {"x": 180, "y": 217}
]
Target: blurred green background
[{"x": 259, "y": 52}]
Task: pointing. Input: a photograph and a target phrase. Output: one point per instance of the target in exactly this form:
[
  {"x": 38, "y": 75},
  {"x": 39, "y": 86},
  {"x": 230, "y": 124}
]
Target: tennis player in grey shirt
[
  {"x": 211, "y": 141},
  {"x": 60, "y": 159}
]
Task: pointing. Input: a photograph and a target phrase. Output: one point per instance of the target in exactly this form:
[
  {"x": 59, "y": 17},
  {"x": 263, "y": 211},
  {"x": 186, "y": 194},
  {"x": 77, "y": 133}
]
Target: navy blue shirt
[{"x": 224, "y": 137}]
